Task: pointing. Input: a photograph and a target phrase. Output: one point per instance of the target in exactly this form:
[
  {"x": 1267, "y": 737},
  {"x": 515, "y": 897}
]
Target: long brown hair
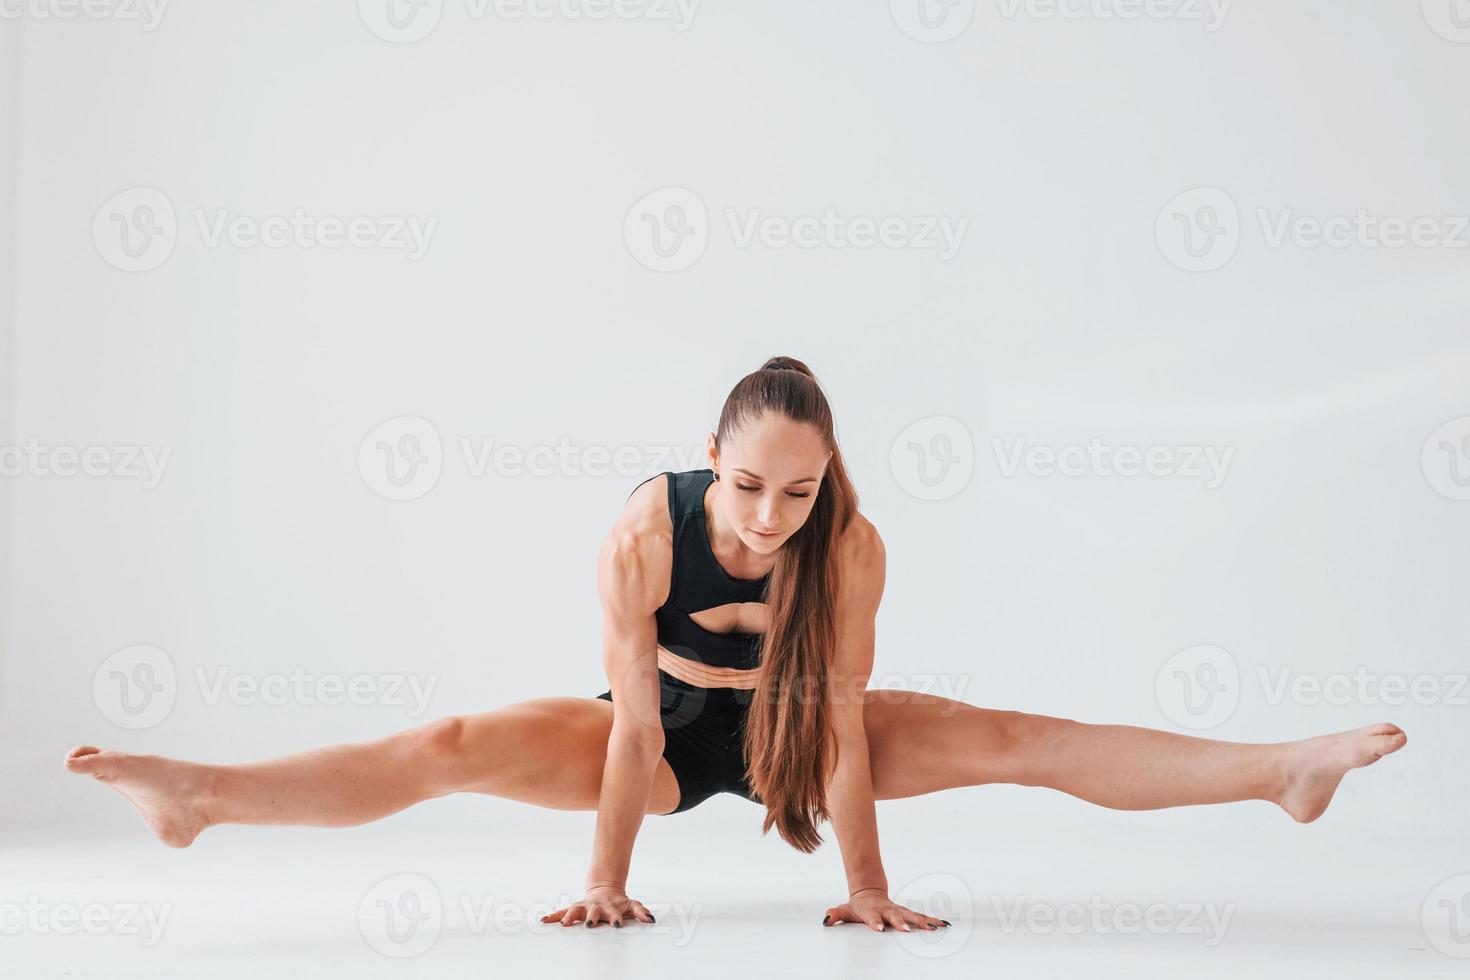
[{"x": 788, "y": 733}]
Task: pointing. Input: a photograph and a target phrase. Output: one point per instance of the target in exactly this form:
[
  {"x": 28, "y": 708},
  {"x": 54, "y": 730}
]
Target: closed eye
[{"x": 798, "y": 496}]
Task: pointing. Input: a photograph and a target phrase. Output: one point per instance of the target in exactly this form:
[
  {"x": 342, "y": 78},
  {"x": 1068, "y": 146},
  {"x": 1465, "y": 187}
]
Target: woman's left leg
[{"x": 920, "y": 743}]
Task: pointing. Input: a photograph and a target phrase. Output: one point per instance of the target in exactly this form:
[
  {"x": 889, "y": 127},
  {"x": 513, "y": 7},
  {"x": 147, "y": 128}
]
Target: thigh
[
  {"x": 549, "y": 752},
  {"x": 921, "y": 743}
]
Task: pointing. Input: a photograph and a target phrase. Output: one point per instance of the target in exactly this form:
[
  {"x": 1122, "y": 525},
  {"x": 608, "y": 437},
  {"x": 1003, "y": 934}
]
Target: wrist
[
  {"x": 864, "y": 889},
  {"x": 606, "y": 883}
]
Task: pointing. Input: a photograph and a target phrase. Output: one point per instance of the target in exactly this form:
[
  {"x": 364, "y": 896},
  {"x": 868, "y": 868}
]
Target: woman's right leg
[{"x": 548, "y": 751}]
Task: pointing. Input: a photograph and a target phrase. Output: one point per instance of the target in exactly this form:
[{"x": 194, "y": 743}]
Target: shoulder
[
  {"x": 862, "y": 563},
  {"x": 636, "y": 560}
]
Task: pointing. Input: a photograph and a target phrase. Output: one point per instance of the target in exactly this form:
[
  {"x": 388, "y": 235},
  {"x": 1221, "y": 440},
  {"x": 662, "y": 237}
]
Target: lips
[{"x": 772, "y": 534}]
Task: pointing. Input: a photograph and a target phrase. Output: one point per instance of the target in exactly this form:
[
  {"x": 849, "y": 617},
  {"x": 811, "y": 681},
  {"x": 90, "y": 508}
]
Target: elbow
[{"x": 644, "y": 741}]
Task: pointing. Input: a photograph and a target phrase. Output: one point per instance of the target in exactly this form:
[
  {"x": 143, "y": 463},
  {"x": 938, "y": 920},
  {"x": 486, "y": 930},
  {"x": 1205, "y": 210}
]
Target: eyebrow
[{"x": 757, "y": 476}]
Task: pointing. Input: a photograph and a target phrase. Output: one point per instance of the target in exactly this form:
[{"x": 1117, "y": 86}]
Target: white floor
[{"x": 1036, "y": 884}]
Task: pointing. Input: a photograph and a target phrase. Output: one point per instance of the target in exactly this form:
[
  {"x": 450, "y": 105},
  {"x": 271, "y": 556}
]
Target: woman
[{"x": 739, "y": 606}]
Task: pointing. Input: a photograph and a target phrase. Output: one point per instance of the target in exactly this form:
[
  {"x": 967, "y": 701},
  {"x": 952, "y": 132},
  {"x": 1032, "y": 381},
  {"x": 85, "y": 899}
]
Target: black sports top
[{"x": 698, "y": 582}]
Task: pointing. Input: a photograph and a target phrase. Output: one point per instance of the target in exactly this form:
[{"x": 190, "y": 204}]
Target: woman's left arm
[{"x": 850, "y": 785}]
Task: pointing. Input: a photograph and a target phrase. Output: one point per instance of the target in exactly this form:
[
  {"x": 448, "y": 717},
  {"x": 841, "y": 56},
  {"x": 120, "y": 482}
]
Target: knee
[
  {"x": 440, "y": 741},
  {"x": 1027, "y": 741}
]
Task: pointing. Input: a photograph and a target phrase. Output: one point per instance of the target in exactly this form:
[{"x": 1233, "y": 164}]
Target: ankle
[
  {"x": 207, "y": 793},
  {"x": 1276, "y": 770}
]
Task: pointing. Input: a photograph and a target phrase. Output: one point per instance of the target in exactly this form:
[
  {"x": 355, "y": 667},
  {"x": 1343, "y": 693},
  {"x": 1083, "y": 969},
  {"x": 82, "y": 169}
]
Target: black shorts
[{"x": 704, "y": 732}]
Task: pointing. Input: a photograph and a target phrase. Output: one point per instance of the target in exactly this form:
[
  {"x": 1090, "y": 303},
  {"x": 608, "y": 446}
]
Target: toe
[{"x": 84, "y": 758}]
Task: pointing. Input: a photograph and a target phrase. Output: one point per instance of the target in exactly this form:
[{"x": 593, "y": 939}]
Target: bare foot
[
  {"x": 169, "y": 794},
  {"x": 1314, "y": 766}
]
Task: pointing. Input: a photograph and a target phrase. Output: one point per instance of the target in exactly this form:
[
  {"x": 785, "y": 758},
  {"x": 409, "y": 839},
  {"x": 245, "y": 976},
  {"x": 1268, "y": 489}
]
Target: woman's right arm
[
  {"x": 630, "y": 593},
  {"x": 633, "y": 581}
]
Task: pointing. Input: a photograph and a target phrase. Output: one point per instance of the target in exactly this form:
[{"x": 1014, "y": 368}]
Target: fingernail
[
  {"x": 880, "y": 928},
  {"x": 826, "y": 920},
  {"x": 651, "y": 918},
  {"x": 933, "y": 926},
  {"x": 946, "y": 922},
  {"x": 617, "y": 925}
]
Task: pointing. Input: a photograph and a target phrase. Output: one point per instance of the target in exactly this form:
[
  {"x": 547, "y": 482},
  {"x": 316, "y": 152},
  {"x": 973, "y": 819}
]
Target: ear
[{"x": 712, "y": 450}]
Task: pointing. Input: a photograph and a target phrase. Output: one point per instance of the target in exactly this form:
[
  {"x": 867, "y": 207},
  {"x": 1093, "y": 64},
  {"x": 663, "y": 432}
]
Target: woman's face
[{"x": 770, "y": 473}]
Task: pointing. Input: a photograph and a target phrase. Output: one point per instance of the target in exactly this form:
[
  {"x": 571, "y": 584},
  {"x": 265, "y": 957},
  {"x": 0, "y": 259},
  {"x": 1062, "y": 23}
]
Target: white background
[{"x": 529, "y": 320}]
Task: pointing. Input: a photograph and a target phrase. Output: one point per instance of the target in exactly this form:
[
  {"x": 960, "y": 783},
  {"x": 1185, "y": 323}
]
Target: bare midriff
[{"x": 703, "y": 675}]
